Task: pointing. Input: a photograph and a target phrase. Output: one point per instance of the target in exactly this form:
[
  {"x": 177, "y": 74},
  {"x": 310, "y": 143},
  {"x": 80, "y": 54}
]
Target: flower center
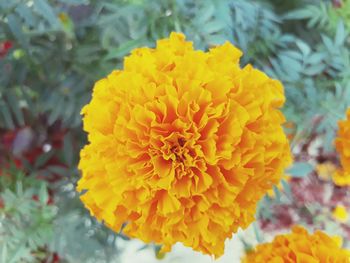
[{"x": 178, "y": 150}]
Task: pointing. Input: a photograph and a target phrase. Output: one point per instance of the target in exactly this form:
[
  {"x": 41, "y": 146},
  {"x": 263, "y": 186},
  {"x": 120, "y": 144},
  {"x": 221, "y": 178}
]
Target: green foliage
[
  {"x": 77, "y": 236},
  {"x": 300, "y": 169},
  {"x": 323, "y": 15},
  {"x": 25, "y": 220},
  {"x": 256, "y": 30},
  {"x": 313, "y": 64},
  {"x": 33, "y": 226}
]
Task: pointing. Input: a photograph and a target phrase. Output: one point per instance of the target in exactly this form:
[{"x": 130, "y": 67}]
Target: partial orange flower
[
  {"x": 341, "y": 178},
  {"x": 342, "y": 144},
  {"x": 300, "y": 246},
  {"x": 182, "y": 145}
]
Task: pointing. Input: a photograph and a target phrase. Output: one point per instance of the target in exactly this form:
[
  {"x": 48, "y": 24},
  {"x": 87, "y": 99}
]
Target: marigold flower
[
  {"x": 342, "y": 144},
  {"x": 182, "y": 145},
  {"x": 326, "y": 170},
  {"x": 300, "y": 246},
  {"x": 341, "y": 178},
  {"x": 340, "y": 213}
]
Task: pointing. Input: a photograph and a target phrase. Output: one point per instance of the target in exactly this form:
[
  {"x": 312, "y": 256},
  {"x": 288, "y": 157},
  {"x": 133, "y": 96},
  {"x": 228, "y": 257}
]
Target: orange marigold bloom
[
  {"x": 182, "y": 145},
  {"x": 342, "y": 144},
  {"x": 300, "y": 246}
]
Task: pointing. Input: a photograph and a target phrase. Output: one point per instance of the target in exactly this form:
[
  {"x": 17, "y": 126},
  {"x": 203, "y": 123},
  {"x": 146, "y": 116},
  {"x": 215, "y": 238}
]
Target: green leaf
[
  {"x": 277, "y": 194},
  {"x": 60, "y": 170},
  {"x": 16, "y": 28},
  {"x": 21, "y": 253},
  {"x": 43, "y": 194},
  {"x": 7, "y": 116},
  {"x": 304, "y": 47},
  {"x": 19, "y": 188},
  {"x": 56, "y": 111},
  {"x": 300, "y": 169},
  {"x": 340, "y": 34},
  {"x": 298, "y": 14},
  {"x": 314, "y": 69},
  {"x": 75, "y": 2},
  {"x": 328, "y": 43},
  {"x": 206, "y": 14},
  {"x": 287, "y": 190},
  {"x": 315, "y": 58},
  {"x": 291, "y": 63},
  {"x": 43, "y": 159},
  {"x": 47, "y": 12},
  {"x": 14, "y": 104},
  {"x": 257, "y": 233},
  {"x": 68, "y": 150},
  {"x": 4, "y": 252},
  {"x": 213, "y": 27},
  {"x": 26, "y": 13},
  {"x": 122, "y": 50}
]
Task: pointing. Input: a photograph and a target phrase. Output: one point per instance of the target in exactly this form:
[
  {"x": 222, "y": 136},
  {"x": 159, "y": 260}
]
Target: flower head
[
  {"x": 342, "y": 144},
  {"x": 340, "y": 213},
  {"x": 300, "y": 246},
  {"x": 325, "y": 170},
  {"x": 5, "y": 47},
  {"x": 182, "y": 145}
]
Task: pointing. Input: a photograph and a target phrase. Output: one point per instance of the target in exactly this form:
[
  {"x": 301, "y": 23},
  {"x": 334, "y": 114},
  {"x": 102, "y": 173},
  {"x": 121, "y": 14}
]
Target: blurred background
[{"x": 51, "y": 53}]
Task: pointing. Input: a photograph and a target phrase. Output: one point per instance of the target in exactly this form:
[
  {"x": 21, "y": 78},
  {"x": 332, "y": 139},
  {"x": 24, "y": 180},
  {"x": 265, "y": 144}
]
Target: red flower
[
  {"x": 337, "y": 3},
  {"x": 5, "y": 47}
]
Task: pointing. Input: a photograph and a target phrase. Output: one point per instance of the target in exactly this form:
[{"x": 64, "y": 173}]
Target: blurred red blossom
[
  {"x": 337, "y": 3},
  {"x": 24, "y": 145},
  {"x": 5, "y": 47}
]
